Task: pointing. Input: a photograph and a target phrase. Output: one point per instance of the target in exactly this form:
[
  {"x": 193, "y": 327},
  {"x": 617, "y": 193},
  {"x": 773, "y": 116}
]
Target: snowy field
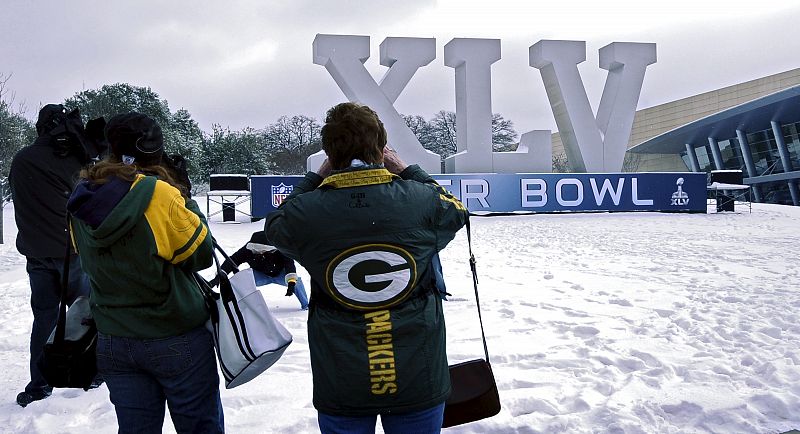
[{"x": 596, "y": 323}]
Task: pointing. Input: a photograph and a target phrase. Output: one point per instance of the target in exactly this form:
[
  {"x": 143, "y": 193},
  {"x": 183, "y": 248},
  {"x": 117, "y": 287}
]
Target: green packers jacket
[
  {"x": 376, "y": 329},
  {"x": 138, "y": 243}
]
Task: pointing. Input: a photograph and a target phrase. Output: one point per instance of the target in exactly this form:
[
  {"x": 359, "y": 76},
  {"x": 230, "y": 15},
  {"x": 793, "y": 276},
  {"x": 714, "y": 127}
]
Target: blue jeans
[
  {"x": 44, "y": 275},
  {"x": 141, "y": 374},
  {"x": 299, "y": 290},
  {"x": 428, "y": 421}
]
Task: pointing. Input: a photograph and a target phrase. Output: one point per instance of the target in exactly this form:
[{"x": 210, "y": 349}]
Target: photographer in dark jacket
[
  {"x": 42, "y": 177},
  {"x": 269, "y": 266},
  {"x": 367, "y": 226}
]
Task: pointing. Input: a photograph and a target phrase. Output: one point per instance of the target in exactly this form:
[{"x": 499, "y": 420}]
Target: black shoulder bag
[
  {"x": 474, "y": 391},
  {"x": 69, "y": 359}
]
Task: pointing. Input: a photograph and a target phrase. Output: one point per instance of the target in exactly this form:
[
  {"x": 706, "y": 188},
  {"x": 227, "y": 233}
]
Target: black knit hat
[{"x": 135, "y": 138}]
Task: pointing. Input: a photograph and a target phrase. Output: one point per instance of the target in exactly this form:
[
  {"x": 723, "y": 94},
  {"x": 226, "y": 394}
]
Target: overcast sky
[{"x": 247, "y": 62}]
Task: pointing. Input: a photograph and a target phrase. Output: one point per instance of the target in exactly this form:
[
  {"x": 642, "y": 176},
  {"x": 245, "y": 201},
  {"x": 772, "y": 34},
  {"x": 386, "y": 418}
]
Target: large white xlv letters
[
  {"x": 472, "y": 60},
  {"x": 593, "y": 144},
  {"x": 344, "y": 56}
]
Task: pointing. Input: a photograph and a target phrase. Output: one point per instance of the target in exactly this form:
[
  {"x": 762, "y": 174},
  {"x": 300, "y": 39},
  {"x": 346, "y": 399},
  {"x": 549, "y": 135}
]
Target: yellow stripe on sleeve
[
  {"x": 454, "y": 201},
  {"x": 200, "y": 236},
  {"x": 177, "y": 230}
]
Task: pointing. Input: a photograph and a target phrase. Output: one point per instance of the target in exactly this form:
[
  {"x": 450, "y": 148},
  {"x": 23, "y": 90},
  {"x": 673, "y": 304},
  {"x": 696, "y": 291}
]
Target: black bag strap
[
  {"x": 61, "y": 324},
  {"x": 224, "y": 289},
  {"x": 225, "y": 292},
  {"x": 475, "y": 284}
]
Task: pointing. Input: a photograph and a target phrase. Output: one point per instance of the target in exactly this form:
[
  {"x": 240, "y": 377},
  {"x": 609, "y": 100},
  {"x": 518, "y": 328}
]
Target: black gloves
[
  {"x": 290, "y": 288},
  {"x": 95, "y": 142},
  {"x": 67, "y": 133}
]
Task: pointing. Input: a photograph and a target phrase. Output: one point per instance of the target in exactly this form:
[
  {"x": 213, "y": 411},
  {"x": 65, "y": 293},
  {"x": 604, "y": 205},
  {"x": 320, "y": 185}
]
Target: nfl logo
[{"x": 280, "y": 192}]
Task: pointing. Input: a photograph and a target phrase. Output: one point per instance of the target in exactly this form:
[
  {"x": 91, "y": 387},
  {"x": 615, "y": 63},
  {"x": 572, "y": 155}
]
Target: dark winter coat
[
  {"x": 376, "y": 328},
  {"x": 261, "y": 257},
  {"x": 41, "y": 183},
  {"x": 139, "y": 244}
]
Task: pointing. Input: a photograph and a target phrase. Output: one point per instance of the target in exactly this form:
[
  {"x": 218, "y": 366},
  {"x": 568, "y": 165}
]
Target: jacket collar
[{"x": 357, "y": 177}]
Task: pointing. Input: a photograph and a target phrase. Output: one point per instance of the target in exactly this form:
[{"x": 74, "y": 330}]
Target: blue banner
[
  {"x": 268, "y": 191},
  {"x": 540, "y": 192}
]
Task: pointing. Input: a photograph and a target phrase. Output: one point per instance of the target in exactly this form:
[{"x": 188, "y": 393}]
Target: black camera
[{"x": 179, "y": 168}]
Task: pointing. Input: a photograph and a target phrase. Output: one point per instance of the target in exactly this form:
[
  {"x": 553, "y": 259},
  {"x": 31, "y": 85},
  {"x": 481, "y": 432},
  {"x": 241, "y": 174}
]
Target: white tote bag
[{"x": 248, "y": 339}]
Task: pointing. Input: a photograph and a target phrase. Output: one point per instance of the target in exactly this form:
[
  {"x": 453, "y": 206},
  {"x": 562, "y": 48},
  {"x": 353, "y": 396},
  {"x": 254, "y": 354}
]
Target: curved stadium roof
[{"x": 755, "y": 115}]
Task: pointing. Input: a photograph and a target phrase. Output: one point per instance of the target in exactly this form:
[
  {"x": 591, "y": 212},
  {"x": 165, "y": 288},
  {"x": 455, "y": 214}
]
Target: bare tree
[
  {"x": 15, "y": 132},
  {"x": 422, "y": 129},
  {"x": 504, "y": 137},
  {"x": 289, "y": 141},
  {"x": 443, "y": 130},
  {"x": 560, "y": 163}
]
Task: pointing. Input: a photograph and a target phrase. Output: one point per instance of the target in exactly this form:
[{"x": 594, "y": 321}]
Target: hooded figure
[{"x": 141, "y": 239}]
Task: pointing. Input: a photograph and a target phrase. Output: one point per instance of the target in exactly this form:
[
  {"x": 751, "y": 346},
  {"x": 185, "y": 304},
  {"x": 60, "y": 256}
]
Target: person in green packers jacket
[
  {"x": 139, "y": 237},
  {"x": 366, "y": 227}
]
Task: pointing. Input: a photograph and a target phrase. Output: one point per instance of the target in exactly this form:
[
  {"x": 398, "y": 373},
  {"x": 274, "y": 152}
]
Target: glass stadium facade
[
  {"x": 770, "y": 159},
  {"x": 760, "y": 137}
]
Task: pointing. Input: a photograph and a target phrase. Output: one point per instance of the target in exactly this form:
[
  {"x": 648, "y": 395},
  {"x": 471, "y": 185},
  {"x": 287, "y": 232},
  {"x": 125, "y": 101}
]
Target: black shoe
[
  {"x": 97, "y": 382},
  {"x": 25, "y": 398}
]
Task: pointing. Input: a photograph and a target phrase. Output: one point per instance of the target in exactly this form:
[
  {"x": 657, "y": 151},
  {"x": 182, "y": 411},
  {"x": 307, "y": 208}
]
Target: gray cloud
[{"x": 245, "y": 63}]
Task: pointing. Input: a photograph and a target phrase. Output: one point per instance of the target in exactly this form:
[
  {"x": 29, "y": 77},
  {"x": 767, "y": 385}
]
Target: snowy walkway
[{"x": 618, "y": 323}]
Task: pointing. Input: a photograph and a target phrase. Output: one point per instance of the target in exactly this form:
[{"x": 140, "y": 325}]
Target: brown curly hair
[
  {"x": 353, "y": 131},
  {"x": 110, "y": 166}
]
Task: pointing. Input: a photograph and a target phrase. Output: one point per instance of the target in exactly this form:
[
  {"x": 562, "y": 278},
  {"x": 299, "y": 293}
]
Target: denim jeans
[
  {"x": 299, "y": 290},
  {"x": 141, "y": 374},
  {"x": 428, "y": 421},
  {"x": 44, "y": 275}
]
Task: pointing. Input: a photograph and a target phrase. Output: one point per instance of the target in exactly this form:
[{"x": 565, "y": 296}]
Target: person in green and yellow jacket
[
  {"x": 366, "y": 227},
  {"x": 139, "y": 237}
]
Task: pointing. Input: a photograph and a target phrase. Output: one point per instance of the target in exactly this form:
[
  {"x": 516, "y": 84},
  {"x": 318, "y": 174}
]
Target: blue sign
[
  {"x": 541, "y": 192},
  {"x": 566, "y": 192},
  {"x": 267, "y": 192}
]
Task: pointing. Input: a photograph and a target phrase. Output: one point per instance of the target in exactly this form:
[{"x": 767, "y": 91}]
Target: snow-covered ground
[{"x": 618, "y": 323}]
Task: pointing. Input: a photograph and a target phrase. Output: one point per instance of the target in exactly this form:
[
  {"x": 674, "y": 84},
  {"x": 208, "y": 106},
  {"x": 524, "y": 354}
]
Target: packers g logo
[
  {"x": 180, "y": 218},
  {"x": 372, "y": 276}
]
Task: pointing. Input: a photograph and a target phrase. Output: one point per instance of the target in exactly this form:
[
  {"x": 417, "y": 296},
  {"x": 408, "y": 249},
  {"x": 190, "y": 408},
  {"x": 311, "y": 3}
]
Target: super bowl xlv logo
[
  {"x": 679, "y": 197},
  {"x": 593, "y": 142}
]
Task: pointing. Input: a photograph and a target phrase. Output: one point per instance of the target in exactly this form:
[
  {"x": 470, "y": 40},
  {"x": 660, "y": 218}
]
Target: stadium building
[{"x": 752, "y": 126}]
